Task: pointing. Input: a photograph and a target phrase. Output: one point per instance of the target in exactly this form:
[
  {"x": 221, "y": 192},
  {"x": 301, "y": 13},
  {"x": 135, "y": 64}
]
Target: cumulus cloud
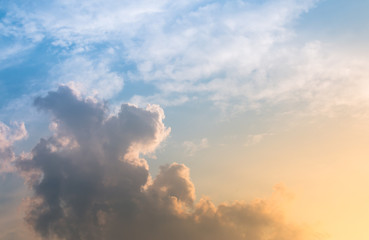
[
  {"x": 9, "y": 135},
  {"x": 90, "y": 181}
]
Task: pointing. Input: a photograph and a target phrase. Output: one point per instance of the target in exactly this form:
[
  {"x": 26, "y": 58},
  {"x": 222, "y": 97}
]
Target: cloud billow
[
  {"x": 89, "y": 181},
  {"x": 9, "y": 135}
]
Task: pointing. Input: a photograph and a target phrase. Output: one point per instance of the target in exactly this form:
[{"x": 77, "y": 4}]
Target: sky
[{"x": 197, "y": 119}]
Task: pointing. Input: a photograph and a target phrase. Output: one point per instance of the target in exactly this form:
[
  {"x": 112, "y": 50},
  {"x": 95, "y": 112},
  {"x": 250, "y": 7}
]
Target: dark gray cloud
[{"x": 89, "y": 181}]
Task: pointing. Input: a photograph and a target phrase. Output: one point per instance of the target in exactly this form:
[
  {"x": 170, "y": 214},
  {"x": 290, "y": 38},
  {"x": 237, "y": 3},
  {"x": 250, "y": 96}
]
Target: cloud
[
  {"x": 12, "y": 53},
  {"x": 255, "y": 139},
  {"x": 212, "y": 40},
  {"x": 90, "y": 181},
  {"x": 11, "y": 213},
  {"x": 193, "y": 147},
  {"x": 8, "y": 136},
  {"x": 189, "y": 47},
  {"x": 240, "y": 55},
  {"x": 89, "y": 77},
  {"x": 74, "y": 24}
]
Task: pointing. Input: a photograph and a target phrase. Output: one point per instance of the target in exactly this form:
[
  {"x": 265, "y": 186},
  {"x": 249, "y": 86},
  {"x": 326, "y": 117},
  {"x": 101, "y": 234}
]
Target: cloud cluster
[
  {"x": 8, "y": 136},
  {"x": 90, "y": 181},
  {"x": 89, "y": 77}
]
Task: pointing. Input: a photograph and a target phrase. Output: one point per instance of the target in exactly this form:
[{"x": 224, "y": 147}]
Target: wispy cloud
[
  {"x": 239, "y": 55},
  {"x": 192, "y": 147},
  {"x": 255, "y": 139},
  {"x": 89, "y": 77},
  {"x": 221, "y": 50}
]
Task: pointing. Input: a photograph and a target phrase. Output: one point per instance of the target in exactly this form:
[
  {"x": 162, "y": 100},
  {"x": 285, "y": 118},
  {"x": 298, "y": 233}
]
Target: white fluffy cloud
[{"x": 89, "y": 181}]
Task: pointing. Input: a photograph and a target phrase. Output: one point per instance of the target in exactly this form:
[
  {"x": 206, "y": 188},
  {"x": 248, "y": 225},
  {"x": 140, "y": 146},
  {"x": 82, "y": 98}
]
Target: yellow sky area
[
  {"x": 323, "y": 162},
  {"x": 328, "y": 170}
]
